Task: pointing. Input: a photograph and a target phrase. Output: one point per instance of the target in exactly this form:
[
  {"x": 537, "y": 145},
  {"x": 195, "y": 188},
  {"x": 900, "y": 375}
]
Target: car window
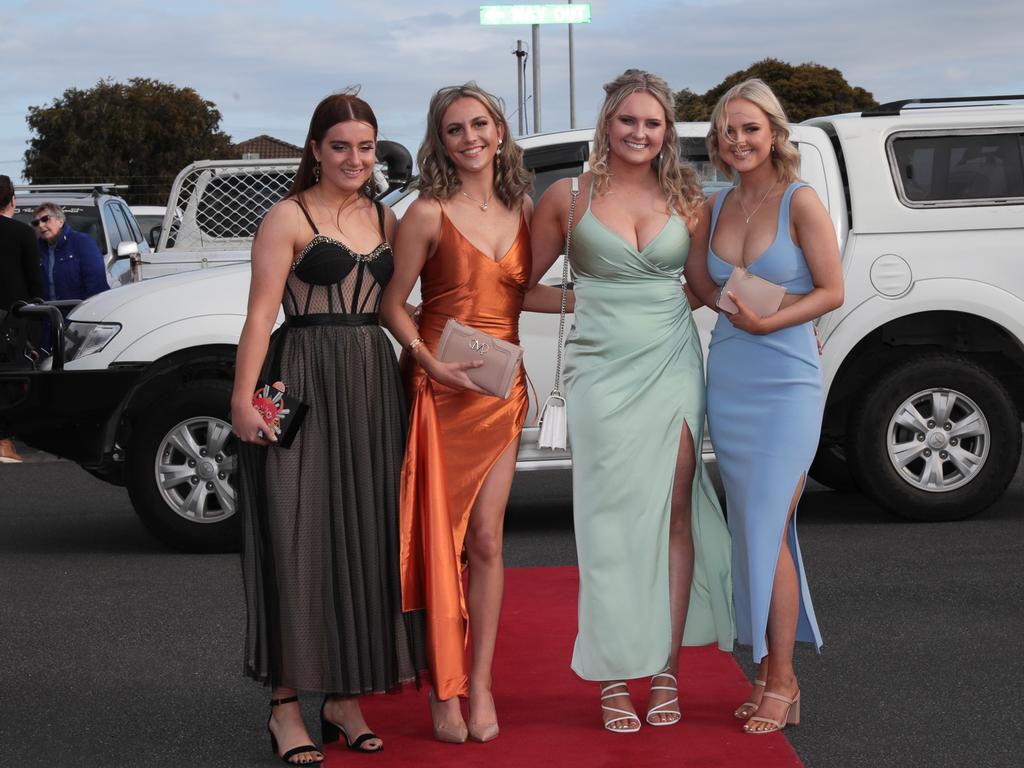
[
  {"x": 149, "y": 222},
  {"x": 114, "y": 233},
  {"x": 696, "y": 152},
  {"x": 124, "y": 228},
  {"x": 81, "y": 218},
  {"x": 133, "y": 225},
  {"x": 961, "y": 168},
  {"x": 550, "y": 164}
]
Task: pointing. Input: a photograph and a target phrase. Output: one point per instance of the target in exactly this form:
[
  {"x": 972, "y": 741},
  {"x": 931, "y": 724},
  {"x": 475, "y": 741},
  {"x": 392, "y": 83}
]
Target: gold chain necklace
[
  {"x": 484, "y": 203},
  {"x": 758, "y": 206}
]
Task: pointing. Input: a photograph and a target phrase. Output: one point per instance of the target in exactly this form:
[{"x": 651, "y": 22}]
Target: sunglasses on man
[{"x": 40, "y": 220}]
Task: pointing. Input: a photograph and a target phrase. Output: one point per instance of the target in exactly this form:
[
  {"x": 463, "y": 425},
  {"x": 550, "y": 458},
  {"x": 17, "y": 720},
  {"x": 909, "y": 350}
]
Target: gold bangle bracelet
[{"x": 411, "y": 346}]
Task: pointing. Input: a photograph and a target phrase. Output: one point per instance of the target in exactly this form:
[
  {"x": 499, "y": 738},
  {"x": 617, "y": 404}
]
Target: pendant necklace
[
  {"x": 757, "y": 208},
  {"x": 483, "y": 204}
]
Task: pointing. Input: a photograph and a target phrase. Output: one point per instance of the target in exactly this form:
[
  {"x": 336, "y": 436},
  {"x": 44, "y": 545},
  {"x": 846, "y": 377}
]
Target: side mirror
[
  {"x": 154, "y": 235},
  {"x": 127, "y": 249}
]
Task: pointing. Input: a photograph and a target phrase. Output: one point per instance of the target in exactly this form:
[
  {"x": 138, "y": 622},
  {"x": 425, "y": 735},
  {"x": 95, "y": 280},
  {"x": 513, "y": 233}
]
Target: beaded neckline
[{"x": 358, "y": 257}]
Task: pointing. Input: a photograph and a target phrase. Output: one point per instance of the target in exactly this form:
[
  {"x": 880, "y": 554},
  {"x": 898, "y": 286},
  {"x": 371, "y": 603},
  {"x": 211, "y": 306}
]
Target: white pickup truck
[{"x": 922, "y": 365}]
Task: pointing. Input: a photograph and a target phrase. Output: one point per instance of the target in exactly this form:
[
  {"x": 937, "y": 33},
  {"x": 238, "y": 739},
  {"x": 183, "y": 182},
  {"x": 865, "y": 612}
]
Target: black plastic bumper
[{"x": 67, "y": 413}]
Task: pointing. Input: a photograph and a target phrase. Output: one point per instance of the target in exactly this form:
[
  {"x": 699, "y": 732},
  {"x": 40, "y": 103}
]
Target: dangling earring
[
  {"x": 316, "y": 173},
  {"x": 500, "y": 142},
  {"x": 773, "y": 147}
]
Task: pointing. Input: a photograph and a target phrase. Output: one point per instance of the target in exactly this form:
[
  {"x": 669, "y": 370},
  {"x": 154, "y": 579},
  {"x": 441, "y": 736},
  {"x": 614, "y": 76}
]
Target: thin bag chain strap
[{"x": 565, "y": 286}]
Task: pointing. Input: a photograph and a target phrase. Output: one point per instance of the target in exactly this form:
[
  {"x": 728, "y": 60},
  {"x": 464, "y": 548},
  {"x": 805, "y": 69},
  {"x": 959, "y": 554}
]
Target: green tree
[
  {"x": 139, "y": 133},
  {"x": 806, "y": 90}
]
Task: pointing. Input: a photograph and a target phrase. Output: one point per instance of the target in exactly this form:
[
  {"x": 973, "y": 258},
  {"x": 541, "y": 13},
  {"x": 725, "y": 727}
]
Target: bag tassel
[{"x": 553, "y": 426}]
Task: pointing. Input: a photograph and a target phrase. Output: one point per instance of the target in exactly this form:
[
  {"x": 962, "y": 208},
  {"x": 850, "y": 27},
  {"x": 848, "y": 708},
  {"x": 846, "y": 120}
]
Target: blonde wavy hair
[
  {"x": 785, "y": 156},
  {"x": 439, "y": 178},
  {"x": 677, "y": 177}
]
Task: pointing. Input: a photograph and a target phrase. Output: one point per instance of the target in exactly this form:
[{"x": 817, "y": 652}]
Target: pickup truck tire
[
  {"x": 936, "y": 438},
  {"x": 181, "y": 464}
]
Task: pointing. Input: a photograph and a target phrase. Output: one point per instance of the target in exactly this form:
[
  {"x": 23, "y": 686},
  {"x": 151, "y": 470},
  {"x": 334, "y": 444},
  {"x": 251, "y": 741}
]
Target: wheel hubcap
[
  {"x": 194, "y": 466},
  {"x": 938, "y": 440}
]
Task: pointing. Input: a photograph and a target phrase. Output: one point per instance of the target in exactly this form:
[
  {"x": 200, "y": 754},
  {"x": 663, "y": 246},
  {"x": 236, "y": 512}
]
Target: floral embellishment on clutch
[{"x": 269, "y": 401}]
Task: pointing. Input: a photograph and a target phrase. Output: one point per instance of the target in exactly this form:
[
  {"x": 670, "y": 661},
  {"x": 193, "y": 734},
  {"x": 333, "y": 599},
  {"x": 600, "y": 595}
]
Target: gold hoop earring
[{"x": 316, "y": 173}]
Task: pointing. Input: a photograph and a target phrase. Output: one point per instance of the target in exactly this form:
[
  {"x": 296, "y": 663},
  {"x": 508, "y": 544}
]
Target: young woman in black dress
[{"x": 320, "y": 551}]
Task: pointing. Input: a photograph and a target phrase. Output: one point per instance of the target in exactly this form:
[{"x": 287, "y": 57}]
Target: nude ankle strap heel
[{"x": 791, "y": 716}]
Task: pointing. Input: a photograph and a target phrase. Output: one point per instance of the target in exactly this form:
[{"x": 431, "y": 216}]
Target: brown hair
[
  {"x": 785, "y": 156},
  {"x": 336, "y": 108},
  {"x": 6, "y": 191},
  {"x": 438, "y": 177}
]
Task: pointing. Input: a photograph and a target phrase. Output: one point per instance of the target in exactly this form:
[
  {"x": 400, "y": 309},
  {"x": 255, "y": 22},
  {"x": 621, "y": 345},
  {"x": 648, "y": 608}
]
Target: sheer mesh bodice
[{"x": 328, "y": 277}]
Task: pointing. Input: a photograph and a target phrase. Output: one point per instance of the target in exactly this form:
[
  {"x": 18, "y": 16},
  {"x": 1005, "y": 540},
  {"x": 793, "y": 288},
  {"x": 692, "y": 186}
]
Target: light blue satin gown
[
  {"x": 764, "y": 413},
  {"x": 634, "y": 374}
]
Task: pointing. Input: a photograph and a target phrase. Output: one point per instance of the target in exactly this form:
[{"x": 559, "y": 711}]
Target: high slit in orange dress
[{"x": 455, "y": 437}]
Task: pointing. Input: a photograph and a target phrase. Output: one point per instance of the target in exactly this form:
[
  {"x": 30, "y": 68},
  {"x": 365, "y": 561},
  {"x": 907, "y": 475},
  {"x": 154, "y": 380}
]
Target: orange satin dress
[{"x": 455, "y": 437}]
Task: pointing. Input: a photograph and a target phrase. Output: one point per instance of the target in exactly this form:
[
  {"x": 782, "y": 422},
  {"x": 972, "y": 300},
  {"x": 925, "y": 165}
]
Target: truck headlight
[{"x": 81, "y": 339}]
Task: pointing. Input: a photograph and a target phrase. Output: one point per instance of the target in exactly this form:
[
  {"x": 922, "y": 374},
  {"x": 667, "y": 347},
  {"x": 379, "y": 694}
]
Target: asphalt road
[{"x": 119, "y": 652}]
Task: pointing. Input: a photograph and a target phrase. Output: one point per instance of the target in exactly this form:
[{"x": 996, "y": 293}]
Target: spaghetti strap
[{"x": 298, "y": 202}]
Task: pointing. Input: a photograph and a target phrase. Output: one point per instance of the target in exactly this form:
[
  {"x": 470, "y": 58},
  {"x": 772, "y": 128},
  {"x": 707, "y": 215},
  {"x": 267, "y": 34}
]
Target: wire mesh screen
[{"x": 222, "y": 205}]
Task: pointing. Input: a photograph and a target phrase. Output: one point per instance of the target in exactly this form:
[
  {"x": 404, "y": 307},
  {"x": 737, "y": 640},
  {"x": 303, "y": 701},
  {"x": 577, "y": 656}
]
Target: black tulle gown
[{"x": 320, "y": 549}]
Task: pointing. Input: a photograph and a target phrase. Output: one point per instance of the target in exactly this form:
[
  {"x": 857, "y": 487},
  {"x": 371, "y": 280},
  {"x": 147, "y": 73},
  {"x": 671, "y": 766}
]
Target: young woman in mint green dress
[{"x": 652, "y": 543}]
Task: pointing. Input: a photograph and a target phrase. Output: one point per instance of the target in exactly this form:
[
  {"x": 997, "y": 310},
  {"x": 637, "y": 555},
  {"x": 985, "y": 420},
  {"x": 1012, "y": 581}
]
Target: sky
[{"x": 265, "y": 64}]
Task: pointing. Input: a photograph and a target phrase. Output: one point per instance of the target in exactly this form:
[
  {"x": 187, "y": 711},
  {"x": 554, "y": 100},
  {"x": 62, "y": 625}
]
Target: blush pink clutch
[
  {"x": 460, "y": 343},
  {"x": 761, "y": 296}
]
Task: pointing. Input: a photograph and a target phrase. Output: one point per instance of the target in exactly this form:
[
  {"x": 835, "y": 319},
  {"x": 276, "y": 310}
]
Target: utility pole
[
  {"x": 572, "y": 77},
  {"x": 520, "y": 54},
  {"x": 536, "y": 78}
]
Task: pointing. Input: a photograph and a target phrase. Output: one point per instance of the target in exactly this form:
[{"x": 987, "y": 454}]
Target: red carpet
[{"x": 549, "y": 717}]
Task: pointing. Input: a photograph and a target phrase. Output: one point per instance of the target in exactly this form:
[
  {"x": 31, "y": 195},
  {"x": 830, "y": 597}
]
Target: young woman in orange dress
[{"x": 467, "y": 240}]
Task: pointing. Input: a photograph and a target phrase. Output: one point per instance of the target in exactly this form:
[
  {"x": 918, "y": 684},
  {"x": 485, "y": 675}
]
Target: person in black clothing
[{"x": 20, "y": 276}]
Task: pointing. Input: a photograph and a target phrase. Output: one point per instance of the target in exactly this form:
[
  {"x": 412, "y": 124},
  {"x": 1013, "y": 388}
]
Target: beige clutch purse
[
  {"x": 763, "y": 297},
  {"x": 461, "y": 343}
]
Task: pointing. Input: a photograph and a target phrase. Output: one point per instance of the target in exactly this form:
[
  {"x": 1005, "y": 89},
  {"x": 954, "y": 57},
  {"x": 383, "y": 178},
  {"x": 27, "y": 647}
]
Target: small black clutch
[{"x": 283, "y": 412}]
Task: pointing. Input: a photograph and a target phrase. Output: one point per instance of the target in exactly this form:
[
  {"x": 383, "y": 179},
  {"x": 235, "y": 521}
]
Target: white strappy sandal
[
  {"x": 625, "y": 713},
  {"x": 663, "y": 708}
]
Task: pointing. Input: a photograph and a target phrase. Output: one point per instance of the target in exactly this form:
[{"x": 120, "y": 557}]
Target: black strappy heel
[
  {"x": 296, "y": 750},
  {"x": 331, "y": 731}
]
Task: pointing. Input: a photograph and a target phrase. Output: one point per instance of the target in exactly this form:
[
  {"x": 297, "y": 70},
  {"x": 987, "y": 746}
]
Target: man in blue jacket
[{"x": 71, "y": 261}]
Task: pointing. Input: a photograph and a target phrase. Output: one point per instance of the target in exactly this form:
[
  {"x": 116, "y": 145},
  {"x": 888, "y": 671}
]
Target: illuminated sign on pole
[{"x": 535, "y": 14}]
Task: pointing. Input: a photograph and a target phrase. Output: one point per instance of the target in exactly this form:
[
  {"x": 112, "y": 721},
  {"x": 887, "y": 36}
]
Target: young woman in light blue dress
[
  {"x": 652, "y": 544},
  {"x": 764, "y": 380}
]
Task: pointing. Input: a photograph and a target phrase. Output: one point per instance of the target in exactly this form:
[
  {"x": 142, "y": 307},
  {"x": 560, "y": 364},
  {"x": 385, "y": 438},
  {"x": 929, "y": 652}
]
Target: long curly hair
[
  {"x": 334, "y": 109},
  {"x": 677, "y": 177},
  {"x": 785, "y": 156},
  {"x": 439, "y": 178}
]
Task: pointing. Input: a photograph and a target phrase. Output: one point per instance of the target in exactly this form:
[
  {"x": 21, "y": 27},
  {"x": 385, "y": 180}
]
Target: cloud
[{"x": 266, "y": 64}]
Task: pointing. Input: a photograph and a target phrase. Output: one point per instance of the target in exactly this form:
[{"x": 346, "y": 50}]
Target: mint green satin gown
[{"x": 634, "y": 374}]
